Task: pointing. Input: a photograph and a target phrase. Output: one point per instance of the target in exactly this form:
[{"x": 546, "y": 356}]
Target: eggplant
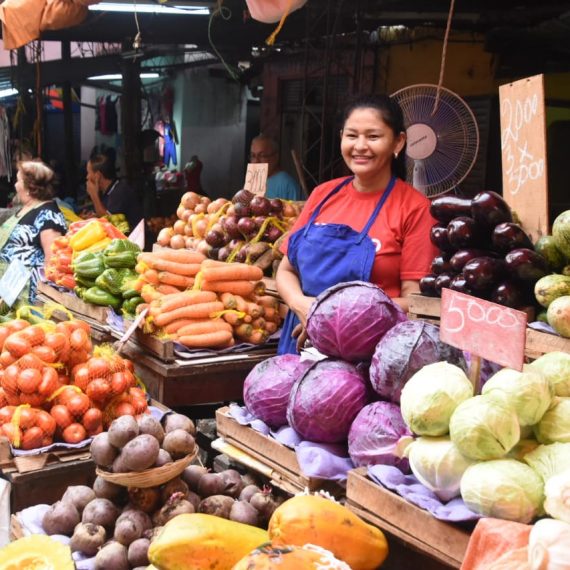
[
  {"x": 482, "y": 273},
  {"x": 427, "y": 285},
  {"x": 464, "y": 233},
  {"x": 510, "y": 294},
  {"x": 442, "y": 281},
  {"x": 463, "y": 256},
  {"x": 439, "y": 237},
  {"x": 440, "y": 264},
  {"x": 445, "y": 208},
  {"x": 458, "y": 283},
  {"x": 488, "y": 208},
  {"x": 526, "y": 264},
  {"x": 508, "y": 236}
]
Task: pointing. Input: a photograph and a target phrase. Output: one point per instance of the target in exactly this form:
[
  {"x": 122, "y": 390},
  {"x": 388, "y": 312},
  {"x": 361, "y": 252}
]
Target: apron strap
[
  {"x": 377, "y": 209},
  {"x": 6, "y": 229},
  {"x": 322, "y": 203}
]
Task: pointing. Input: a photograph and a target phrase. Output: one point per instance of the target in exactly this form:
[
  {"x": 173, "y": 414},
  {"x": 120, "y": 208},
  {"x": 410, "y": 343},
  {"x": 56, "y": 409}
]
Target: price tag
[
  {"x": 256, "y": 178},
  {"x": 13, "y": 281},
  {"x": 485, "y": 329},
  {"x": 523, "y": 148},
  {"x": 137, "y": 235}
]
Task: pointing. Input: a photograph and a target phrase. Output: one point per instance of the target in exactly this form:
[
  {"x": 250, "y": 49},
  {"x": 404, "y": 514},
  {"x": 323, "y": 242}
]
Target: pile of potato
[{"x": 116, "y": 524}]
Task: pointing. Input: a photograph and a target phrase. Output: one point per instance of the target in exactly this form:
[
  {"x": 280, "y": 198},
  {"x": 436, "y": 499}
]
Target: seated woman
[{"x": 29, "y": 233}]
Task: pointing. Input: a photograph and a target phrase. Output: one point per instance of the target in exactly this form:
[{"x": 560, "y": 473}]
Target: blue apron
[{"x": 326, "y": 254}]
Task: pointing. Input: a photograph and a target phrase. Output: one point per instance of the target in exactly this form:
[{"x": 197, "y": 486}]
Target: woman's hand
[{"x": 300, "y": 333}]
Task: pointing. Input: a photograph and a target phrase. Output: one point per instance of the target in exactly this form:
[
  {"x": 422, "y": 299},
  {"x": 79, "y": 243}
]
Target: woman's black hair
[{"x": 391, "y": 113}]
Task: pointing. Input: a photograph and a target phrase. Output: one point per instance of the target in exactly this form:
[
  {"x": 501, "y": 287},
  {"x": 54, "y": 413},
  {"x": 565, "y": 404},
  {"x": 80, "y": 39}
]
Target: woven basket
[{"x": 150, "y": 477}]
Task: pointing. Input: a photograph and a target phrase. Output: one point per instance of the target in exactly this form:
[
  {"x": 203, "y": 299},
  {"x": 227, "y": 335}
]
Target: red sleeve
[{"x": 417, "y": 249}]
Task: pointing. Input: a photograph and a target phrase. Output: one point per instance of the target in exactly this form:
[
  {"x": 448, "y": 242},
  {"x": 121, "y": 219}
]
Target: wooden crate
[
  {"x": 425, "y": 308},
  {"x": 280, "y": 460},
  {"x": 436, "y": 539},
  {"x": 162, "y": 349}
]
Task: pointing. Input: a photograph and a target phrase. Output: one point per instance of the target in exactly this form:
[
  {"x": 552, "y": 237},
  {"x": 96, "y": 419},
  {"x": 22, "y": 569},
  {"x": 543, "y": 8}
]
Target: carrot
[
  {"x": 254, "y": 310},
  {"x": 241, "y": 304},
  {"x": 148, "y": 293},
  {"x": 197, "y": 311},
  {"x": 180, "y": 255},
  {"x": 228, "y": 300},
  {"x": 243, "y": 330},
  {"x": 151, "y": 276},
  {"x": 243, "y": 288},
  {"x": 258, "y": 336},
  {"x": 207, "y": 340},
  {"x": 270, "y": 327},
  {"x": 140, "y": 308},
  {"x": 213, "y": 263},
  {"x": 176, "y": 300},
  {"x": 270, "y": 314},
  {"x": 154, "y": 261},
  {"x": 204, "y": 327},
  {"x": 167, "y": 289},
  {"x": 267, "y": 301},
  {"x": 181, "y": 281},
  {"x": 258, "y": 323},
  {"x": 232, "y": 272},
  {"x": 233, "y": 318},
  {"x": 140, "y": 267},
  {"x": 175, "y": 326},
  {"x": 138, "y": 284}
]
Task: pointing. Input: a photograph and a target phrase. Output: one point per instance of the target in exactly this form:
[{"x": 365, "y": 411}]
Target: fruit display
[
  {"x": 247, "y": 229},
  {"x": 483, "y": 252},
  {"x": 553, "y": 291},
  {"x": 120, "y": 222}
]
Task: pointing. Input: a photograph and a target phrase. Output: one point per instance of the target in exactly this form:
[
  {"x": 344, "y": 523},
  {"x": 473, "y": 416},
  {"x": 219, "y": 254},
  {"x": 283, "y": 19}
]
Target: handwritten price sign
[
  {"x": 256, "y": 178},
  {"x": 486, "y": 329},
  {"x": 523, "y": 146}
]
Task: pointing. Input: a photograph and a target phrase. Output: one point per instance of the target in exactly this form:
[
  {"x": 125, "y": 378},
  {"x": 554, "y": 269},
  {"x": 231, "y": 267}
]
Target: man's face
[
  {"x": 262, "y": 151},
  {"x": 93, "y": 178}
]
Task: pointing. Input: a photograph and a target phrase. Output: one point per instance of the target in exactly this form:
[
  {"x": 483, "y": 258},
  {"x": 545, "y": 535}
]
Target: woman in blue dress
[{"x": 29, "y": 233}]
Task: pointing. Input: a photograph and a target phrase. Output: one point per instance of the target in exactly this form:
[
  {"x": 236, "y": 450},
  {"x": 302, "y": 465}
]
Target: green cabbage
[
  {"x": 529, "y": 391},
  {"x": 431, "y": 395},
  {"x": 438, "y": 465},
  {"x": 504, "y": 489},
  {"x": 555, "y": 424},
  {"x": 556, "y": 367},
  {"x": 549, "y": 460},
  {"x": 485, "y": 427}
]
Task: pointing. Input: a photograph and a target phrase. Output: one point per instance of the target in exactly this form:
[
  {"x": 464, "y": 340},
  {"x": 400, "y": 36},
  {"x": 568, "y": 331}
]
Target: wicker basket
[{"x": 150, "y": 477}]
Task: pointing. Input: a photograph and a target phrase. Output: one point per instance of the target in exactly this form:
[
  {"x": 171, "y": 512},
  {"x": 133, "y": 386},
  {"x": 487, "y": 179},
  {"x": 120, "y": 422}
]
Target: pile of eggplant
[{"x": 482, "y": 251}]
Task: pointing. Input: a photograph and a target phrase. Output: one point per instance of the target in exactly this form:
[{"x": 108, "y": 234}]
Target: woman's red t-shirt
[{"x": 401, "y": 230}]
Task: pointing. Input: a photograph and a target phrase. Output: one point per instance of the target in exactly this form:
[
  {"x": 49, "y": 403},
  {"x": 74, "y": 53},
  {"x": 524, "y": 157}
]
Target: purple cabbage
[
  {"x": 347, "y": 320},
  {"x": 405, "y": 349},
  {"x": 267, "y": 387},
  {"x": 374, "y": 434},
  {"x": 325, "y": 401}
]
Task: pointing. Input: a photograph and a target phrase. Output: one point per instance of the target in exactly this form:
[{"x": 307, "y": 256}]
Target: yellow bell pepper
[{"x": 87, "y": 236}]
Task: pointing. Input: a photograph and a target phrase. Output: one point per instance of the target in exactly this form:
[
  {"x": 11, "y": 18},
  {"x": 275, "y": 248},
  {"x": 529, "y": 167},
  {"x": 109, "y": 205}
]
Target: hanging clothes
[
  {"x": 159, "y": 128},
  {"x": 170, "y": 141}
]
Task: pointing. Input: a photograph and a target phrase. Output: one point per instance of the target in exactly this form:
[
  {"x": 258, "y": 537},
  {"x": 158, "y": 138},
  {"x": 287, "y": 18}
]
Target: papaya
[
  {"x": 308, "y": 557},
  {"x": 558, "y": 315},
  {"x": 36, "y": 551},
  {"x": 561, "y": 233},
  {"x": 546, "y": 246},
  {"x": 550, "y": 287}
]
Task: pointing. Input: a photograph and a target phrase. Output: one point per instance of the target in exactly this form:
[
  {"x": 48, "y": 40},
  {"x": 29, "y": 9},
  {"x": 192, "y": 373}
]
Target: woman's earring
[{"x": 395, "y": 155}]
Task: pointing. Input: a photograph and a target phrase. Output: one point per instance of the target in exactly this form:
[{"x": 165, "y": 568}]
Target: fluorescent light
[
  {"x": 150, "y": 9},
  {"x": 118, "y": 76},
  {"x": 8, "y": 92}
]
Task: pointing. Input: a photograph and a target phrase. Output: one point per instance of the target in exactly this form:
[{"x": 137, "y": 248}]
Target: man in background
[{"x": 279, "y": 183}]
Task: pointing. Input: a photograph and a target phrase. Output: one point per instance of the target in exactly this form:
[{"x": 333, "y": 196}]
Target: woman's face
[
  {"x": 21, "y": 192},
  {"x": 368, "y": 144}
]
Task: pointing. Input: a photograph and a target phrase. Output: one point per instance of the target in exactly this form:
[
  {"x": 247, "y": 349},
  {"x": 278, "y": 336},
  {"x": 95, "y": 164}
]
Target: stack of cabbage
[{"x": 503, "y": 450}]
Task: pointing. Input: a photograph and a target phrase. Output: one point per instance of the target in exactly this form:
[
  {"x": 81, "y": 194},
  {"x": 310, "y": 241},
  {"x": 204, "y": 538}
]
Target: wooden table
[{"x": 209, "y": 380}]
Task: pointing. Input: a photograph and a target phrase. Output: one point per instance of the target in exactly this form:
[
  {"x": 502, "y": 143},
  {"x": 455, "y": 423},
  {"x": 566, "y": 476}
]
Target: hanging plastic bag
[{"x": 271, "y": 11}]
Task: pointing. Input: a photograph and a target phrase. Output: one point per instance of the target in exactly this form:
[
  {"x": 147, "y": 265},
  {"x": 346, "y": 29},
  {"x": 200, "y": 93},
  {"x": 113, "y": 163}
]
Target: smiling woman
[{"x": 371, "y": 226}]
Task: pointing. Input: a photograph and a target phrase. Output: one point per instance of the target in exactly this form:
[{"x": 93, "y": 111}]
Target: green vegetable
[
  {"x": 83, "y": 282},
  {"x": 130, "y": 305},
  {"x": 98, "y": 296},
  {"x": 431, "y": 395},
  {"x": 529, "y": 392},
  {"x": 549, "y": 460},
  {"x": 485, "y": 427},
  {"x": 89, "y": 265},
  {"x": 438, "y": 465},
  {"x": 555, "y": 423},
  {"x": 121, "y": 253},
  {"x": 504, "y": 489},
  {"x": 556, "y": 367},
  {"x": 110, "y": 281}
]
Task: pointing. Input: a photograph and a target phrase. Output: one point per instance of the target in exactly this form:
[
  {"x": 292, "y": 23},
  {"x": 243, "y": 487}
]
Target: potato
[
  {"x": 147, "y": 500},
  {"x": 179, "y": 443},
  {"x": 112, "y": 556},
  {"x": 79, "y": 496},
  {"x": 179, "y": 421},
  {"x": 265, "y": 504},
  {"x": 174, "y": 486},
  {"x": 217, "y": 505},
  {"x": 119, "y": 465},
  {"x": 163, "y": 458},
  {"x": 194, "y": 499},
  {"x": 62, "y": 518},
  {"x": 102, "y": 452},
  {"x": 148, "y": 424},
  {"x": 87, "y": 538},
  {"x": 140, "y": 453},
  {"x": 243, "y": 512},
  {"x": 106, "y": 490},
  {"x": 211, "y": 484},
  {"x": 192, "y": 475},
  {"x": 128, "y": 529},
  {"x": 122, "y": 430},
  {"x": 233, "y": 482},
  {"x": 248, "y": 492},
  {"x": 176, "y": 505},
  {"x": 101, "y": 512},
  {"x": 138, "y": 552}
]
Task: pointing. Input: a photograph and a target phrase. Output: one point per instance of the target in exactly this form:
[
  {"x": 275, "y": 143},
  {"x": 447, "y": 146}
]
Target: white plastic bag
[{"x": 271, "y": 11}]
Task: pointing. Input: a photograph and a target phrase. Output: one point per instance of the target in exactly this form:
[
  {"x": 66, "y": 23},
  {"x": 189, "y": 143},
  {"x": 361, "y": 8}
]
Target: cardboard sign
[
  {"x": 523, "y": 147},
  {"x": 137, "y": 235},
  {"x": 13, "y": 281},
  {"x": 485, "y": 329},
  {"x": 256, "y": 178}
]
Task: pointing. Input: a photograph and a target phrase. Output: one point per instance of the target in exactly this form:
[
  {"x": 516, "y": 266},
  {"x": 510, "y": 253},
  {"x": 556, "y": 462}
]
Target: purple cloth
[
  {"x": 409, "y": 488},
  {"x": 542, "y": 327}
]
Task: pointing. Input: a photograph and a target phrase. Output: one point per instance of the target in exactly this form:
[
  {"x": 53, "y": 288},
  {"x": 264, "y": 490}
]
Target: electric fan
[{"x": 442, "y": 137}]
